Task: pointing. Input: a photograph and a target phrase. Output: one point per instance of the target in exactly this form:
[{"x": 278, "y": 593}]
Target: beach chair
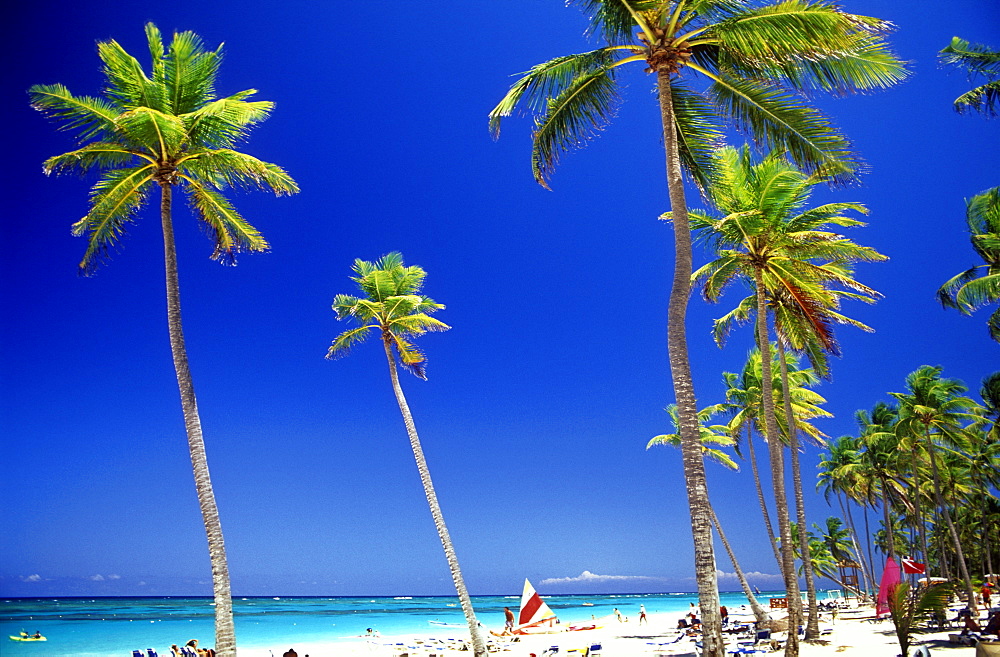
[
  {"x": 151, "y": 653},
  {"x": 137, "y": 653},
  {"x": 595, "y": 649}
]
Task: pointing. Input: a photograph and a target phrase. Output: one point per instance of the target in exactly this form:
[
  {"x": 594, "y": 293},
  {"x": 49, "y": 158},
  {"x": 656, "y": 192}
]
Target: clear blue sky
[{"x": 541, "y": 398}]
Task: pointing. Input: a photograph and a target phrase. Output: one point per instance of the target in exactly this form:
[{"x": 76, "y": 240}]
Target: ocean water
[{"x": 91, "y": 627}]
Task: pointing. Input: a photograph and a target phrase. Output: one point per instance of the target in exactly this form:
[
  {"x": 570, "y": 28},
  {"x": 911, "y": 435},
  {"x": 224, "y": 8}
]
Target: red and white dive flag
[
  {"x": 911, "y": 567},
  {"x": 534, "y": 611}
]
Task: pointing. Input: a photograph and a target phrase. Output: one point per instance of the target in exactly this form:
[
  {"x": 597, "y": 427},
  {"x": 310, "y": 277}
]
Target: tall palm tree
[
  {"x": 979, "y": 286},
  {"x": 756, "y": 58},
  {"x": 393, "y": 308},
  {"x": 715, "y": 435},
  {"x": 933, "y": 411},
  {"x": 166, "y": 130},
  {"x": 765, "y": 235}
]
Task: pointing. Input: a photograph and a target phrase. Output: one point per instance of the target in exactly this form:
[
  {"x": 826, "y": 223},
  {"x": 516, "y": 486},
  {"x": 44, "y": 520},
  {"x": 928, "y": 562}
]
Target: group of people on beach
[{"x": 191, "y": 649}]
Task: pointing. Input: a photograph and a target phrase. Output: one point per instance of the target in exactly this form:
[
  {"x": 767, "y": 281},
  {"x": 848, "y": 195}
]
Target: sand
[{"x": 850, "y": 634}]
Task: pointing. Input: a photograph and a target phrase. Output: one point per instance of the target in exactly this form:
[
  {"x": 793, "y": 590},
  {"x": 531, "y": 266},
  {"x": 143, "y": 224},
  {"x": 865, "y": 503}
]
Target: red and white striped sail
[{"x": 534, "y": 611}]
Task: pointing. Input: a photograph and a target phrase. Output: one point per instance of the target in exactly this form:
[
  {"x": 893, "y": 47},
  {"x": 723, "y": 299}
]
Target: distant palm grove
[{"x": 919, "y": 477}]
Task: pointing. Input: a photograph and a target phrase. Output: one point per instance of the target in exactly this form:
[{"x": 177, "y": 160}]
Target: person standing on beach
[
  {"x": 508, "y": 615},
  {"x": 642, "y": 615},
  {"x": 618, "y": 614}
]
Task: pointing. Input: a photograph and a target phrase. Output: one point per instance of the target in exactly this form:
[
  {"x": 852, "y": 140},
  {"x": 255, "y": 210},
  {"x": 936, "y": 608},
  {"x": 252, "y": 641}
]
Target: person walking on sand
[
  {"x": 508, "y": 625},
  {"x": 618, "y": 614},
  {"x": 642, "y": 615}
]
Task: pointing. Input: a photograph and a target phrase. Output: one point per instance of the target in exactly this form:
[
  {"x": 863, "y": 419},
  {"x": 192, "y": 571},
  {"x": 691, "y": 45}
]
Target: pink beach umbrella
[{"x": 890, "y": 579}]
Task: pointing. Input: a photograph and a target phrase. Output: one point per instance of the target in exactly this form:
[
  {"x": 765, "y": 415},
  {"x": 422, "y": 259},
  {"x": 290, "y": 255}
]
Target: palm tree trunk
[
  {"x": 959, "y": 556},
  {"x": 680, "y": 368},
  {"x": 478, "y": 645},
  {"x": 775, "y": 447},
  {"x": 225, "y": 632},
  {"x": 812, "y": 623},
  {"x": 760, "y": 498},
  {"x": 759, "y": 613}
]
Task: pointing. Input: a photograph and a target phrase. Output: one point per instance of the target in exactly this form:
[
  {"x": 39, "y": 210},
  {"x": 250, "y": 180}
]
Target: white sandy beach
[{"x": 849, "y": 634}]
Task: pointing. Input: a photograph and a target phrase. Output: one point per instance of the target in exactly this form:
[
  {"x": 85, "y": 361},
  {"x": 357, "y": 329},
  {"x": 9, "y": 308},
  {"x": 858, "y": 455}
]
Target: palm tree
[
  {"x": 393, "y": 307},
  {"x": 979, "y": 286},
  {"x": 165, "y": 130},
  {"x": 714, "y": 435},
  {"x": 757, "y": 58},
  {"x": 763, "y": 233},
  {"x": 977, "y": 60},
  {"x": 933, "y": 410}
]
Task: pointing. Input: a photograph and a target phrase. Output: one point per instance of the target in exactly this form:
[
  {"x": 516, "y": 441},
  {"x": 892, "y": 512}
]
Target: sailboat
[{"x": 535, "y": 617}]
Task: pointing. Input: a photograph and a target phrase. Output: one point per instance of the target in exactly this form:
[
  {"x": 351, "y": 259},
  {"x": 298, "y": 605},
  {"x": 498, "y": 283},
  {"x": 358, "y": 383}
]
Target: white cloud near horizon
[
  {"x": 750, "y": 576},
  {"x": 587, "y": 576},
  {"x": 32, "y": 578}
]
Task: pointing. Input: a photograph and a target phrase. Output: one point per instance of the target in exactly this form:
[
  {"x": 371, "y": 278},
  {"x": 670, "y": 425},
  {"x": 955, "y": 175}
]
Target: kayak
[{"x": 28, "y": 638}]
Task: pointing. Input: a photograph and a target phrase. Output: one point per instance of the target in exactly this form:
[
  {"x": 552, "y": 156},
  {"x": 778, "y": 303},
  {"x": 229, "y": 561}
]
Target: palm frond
[
  {"x": 614, "y": 20},
  {"x": 157, "y": 132},
  {"x": 698, "y": 133},
  {"x": 94, "y": 118},
  {"x": 224, "y": 122},
  {"x": 778, "y": 119},
  {"x": 226, "y": 167},
  {"x": 343, "y": 343},
  {"x": 102, "y": 155},
  {"x": 114, "y": 199},
  {"x": 984, "y": 99},
  {"x": 572, "y": 118},
  {"x": 410, "y": 357},
  {"x": 229, "y": 231},
  {"x": 126, "y": 81},
  {"x": 190, "y": 72},
  {"x": 975, "y": 58},
  {"x": 546, "y": 80}
]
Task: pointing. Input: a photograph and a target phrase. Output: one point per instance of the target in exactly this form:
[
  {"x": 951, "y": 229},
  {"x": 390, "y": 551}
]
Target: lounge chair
[
  {"x": 595, "y": 649},
  {"x": 137, "y": 653},
  {"x": 151, "y": 653}
]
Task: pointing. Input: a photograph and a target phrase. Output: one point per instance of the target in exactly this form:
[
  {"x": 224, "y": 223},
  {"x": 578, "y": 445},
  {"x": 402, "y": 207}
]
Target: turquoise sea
[{"x": 91, "y": 627}]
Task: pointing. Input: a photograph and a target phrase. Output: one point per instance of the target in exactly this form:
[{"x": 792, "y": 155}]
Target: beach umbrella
[{"x": 890, "y": 579}]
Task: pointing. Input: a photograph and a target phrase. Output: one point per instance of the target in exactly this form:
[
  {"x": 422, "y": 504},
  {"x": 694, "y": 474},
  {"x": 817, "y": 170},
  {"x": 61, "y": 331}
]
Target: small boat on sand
[{"x": 536, "y": 617}]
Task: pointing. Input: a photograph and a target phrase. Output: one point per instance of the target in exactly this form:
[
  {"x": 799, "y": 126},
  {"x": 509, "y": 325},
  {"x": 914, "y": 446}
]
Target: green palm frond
[
  {"x": 343, "y": 343},
  {"x": 222, "y": 123},
  {"x": 94, "y": 118},
  {"x": 418, "y": 324},
  {"x": 741, "y": 314},
  {"x": 698, "y": 133},
  {"x": 978, "y": 60},
  {"x": 229, "y": 231},
  {"x": 114, "y": 199},
  {"x": 102, "y": 155},
  {"x": 787, "y": 29},
  {"x": 984, "y": 99},
  {"x": 612, "y": 20},
  {"x": 190, "y": 72},
  {"x": 975, "y": 58},
  {"x": 571, "y": 118},
  {"x": 127, "y": 82},
  {"x": 228, "y": 168},
  {"x": 780, "y": 120},
  {"x": 410, "y": 357},
  {"x": 157, "y": 131},
  {"x": 547, "y": 80}
]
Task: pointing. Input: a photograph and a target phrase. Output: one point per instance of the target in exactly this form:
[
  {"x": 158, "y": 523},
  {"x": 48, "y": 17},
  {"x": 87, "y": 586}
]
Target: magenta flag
[{"x": 890, "y": 578}]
